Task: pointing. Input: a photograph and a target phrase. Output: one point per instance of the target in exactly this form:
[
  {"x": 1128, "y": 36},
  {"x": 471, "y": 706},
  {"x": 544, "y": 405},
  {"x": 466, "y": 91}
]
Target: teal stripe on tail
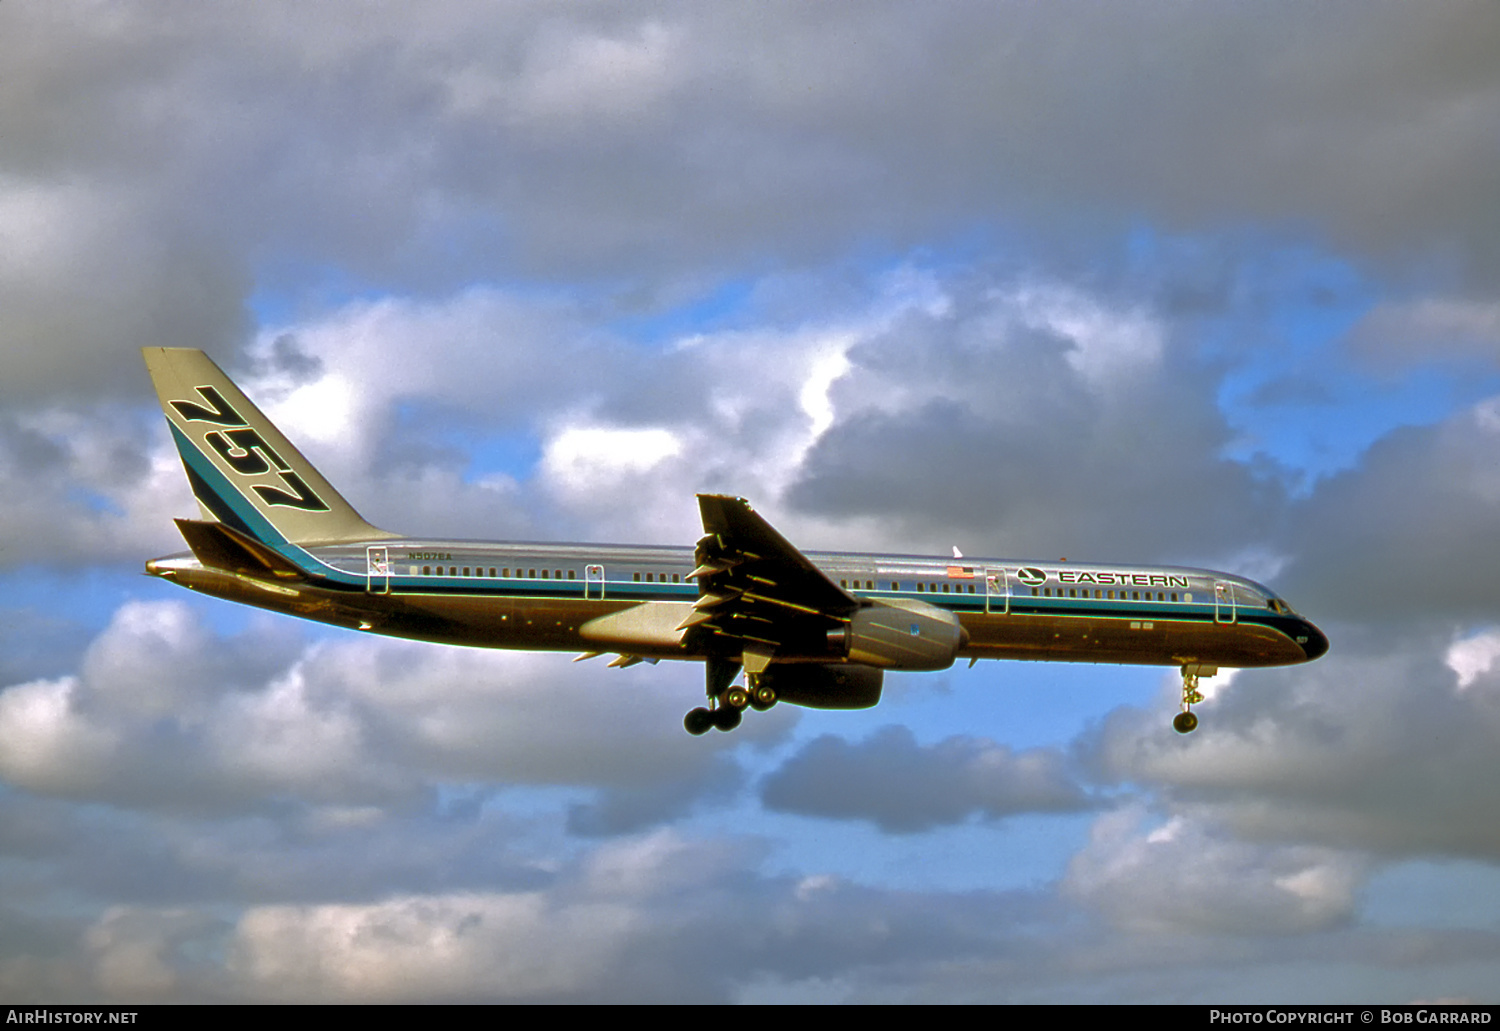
[{"x": 244, "y": 473}]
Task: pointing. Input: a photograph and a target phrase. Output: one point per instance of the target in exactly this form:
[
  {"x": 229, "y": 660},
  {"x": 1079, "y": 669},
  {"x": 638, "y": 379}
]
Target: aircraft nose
[{"x": 1316, "y": 643}]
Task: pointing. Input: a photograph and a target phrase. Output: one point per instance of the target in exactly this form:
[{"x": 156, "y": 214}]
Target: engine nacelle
[
  {"x": 825, "y": 687},
  {"x": 901, "y": 634}
]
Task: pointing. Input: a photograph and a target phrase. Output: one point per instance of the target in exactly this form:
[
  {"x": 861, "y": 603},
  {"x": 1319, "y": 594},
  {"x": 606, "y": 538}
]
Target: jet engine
[
  {"x": 900, "y": 634},
  {"x": 824, "y": 687}
]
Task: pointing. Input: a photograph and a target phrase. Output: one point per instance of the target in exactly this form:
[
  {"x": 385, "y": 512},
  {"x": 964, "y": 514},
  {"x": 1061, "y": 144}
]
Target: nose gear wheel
[{"x": 1185, "y": 722}]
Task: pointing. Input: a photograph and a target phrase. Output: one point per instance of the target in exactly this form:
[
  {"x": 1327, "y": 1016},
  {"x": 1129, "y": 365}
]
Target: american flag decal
[{"x": 961, "y": 572}]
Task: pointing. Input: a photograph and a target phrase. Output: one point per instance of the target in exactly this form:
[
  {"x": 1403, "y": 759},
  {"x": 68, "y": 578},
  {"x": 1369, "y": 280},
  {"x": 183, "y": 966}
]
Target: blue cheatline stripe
[{"x": 230, "y": 506}]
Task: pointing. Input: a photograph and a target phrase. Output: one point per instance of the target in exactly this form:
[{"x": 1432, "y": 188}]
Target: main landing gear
[
  {"x": 728, "y": 708},
  {"x": 726, "y": 700},
  {"x": 1185, "y": 722}
]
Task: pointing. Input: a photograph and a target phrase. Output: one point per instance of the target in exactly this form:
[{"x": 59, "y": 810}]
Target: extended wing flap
[{"x": 756, "y": 586}]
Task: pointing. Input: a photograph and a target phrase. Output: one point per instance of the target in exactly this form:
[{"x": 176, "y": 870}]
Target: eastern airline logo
[
  {"x": 1031, "y": 576},
  {"x": 246, "y": 453}
]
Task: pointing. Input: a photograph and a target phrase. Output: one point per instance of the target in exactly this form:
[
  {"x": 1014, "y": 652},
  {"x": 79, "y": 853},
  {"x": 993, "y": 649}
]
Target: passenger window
[
  {"x": 572, "y": 574},
  {"x": 426, "y": 570},
  {"x": 637, "y": 577},
  {"x": 676, "y": 578},
  {"x": 452, "y": 570},
  {"x": 466, "y": 570},
  {"x": 533, "y": 575}
]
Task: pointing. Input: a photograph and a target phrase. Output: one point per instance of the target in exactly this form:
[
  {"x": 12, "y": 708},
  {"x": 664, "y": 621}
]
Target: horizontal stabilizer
[{"x": 217, "y": 546}]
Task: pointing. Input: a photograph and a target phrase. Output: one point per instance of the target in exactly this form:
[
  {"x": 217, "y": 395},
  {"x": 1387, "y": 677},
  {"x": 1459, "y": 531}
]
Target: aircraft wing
[{"x": 757, "y": 589}]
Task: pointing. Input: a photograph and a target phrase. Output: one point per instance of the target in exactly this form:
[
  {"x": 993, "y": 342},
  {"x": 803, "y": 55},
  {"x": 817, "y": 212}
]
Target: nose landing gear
[{"x": 1185, "y": 722}]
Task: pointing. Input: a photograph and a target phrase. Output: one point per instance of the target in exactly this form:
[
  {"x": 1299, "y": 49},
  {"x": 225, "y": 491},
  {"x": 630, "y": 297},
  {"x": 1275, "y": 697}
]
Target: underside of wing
[{"x": 759, "y": 595}]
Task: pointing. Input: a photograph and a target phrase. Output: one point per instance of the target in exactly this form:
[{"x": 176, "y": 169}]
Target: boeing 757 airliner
[{"x": 809, "y": 628}]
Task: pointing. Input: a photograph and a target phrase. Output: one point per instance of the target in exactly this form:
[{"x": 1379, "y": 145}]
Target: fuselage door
[
  {"x": 996, "y": 591},
  {"x": 1224, "y": 611},
  {"x": 593, "y": 582},
  {"x": 378, "y": 569}
]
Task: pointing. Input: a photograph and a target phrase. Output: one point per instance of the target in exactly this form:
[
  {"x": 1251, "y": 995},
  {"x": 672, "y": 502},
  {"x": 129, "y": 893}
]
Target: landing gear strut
[
  {"x": 727, "y": 700},
  {"x": 1185, "y": 722}
]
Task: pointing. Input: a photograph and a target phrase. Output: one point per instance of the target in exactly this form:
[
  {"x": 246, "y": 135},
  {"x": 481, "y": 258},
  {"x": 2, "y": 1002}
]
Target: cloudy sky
[{"x": 1211, "y": 284}]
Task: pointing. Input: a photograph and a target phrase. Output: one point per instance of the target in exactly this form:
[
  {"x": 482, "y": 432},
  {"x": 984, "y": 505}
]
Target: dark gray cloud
[
  {"x": 81, "y": 485},
  {"x": 1397, "y": 335},
  {"x": 630, "y": 810},
  {"x": 147, "y": 186},
  {"x": 37, "y": 642},
  {"x": 1412, "y": 534},
  {"x": 951, "y": 421},
  {"x": 905, "y": 788},
  {"x": 291, "y": 852}
]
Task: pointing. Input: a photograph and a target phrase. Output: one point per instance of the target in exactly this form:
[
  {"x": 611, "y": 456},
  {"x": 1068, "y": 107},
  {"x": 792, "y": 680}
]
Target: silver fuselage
[{"x": 630, "y": 600}]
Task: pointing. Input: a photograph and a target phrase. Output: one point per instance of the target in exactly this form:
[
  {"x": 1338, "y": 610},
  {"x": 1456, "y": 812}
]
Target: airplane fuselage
[{"x": 630, "y": 600}]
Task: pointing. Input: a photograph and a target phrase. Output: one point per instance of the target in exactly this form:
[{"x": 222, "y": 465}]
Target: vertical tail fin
[{"x": 243, "y": 471}]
